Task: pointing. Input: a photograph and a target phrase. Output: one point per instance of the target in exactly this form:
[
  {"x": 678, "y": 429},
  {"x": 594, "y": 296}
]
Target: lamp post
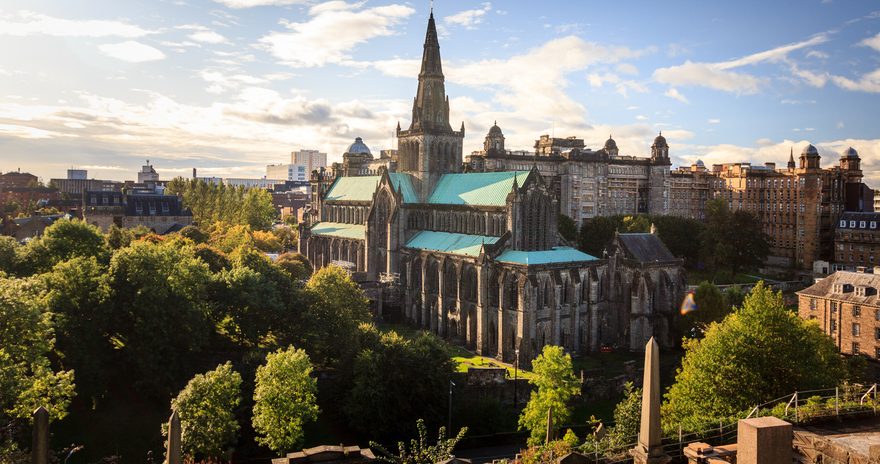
[
  {"x": 515, "y": 377},
  {"x": 449, "y": 423}
]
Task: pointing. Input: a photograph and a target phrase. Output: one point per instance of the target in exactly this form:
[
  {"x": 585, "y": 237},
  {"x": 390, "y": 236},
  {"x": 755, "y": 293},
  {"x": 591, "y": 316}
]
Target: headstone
[
  {"x": 40, "y": 444},
  {"x": 764, "y": 439},
  {"x": 549, "y": 425},
  {"x": 173, "y": 450},
  {"x": 649, "y": 450}
]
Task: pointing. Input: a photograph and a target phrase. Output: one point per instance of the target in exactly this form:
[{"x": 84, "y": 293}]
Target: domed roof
[
  {"x": 700, "y": 163},
  {"x": 610, "y": 144},
  {"x": 495, "y": 130},
  {"x": 660, "y": 141},
  {"x": 850, "y": 153},
  {"x": 358, "y": 147},
  {"x": 810, "y": 150}
]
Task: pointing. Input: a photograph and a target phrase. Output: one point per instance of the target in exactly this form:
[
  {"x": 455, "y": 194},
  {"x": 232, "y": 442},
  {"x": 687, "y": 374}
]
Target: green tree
[
  {"x": 711, "y": 307},
  {"x": 63, "y": 240},
  {"x": 121, "y": 237},
  {"x": 76, "y": 294},
  {"x": 213, "y": 257},
  {"x": 556, "y": 385},
  {"x": 297, "y": 265},
  {"x": 27, "y": 379},
  {"x": 211, "y": 203},
  {"x": 714, "y": 239},
  {"x": 567, "y": 228},
  {"x": 597, "y": 232},
  {"x": 679, "y": 234},
  {"x": 759, "y": 352},
  {"x": 330, "y": 321},
  {"x": 397, "y": 381},
  {"x": 285, "y": 399},
  {"x": 159, "y": 314},
  {"x": 195, "y": 234},
  {"x": 628, "y": 414},
  {"x": 419, "y": 451},
  {"x": 8, "y": 254},
  {"x": 206, "y": 407},
  {"x": 749, "y": 244}
]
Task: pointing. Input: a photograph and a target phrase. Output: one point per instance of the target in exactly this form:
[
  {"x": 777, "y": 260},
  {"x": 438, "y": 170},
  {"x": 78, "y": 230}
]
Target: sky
[{"x": 229, "y": 86}]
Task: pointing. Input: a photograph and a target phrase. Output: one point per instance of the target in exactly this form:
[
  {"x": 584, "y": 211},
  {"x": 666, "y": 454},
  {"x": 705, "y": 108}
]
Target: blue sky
[{"x": 228, "y": 86}]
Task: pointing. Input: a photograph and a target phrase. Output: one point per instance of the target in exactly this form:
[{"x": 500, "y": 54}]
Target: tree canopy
[
  {"x": 285, "y": 399},
  {"x": 211, "y": 203},
  {"x": 556, "y": 385},
  {"x": 336, "y": 310},
  {"x": 759, "y": 352},
  {"x": 206, "y": 407}
]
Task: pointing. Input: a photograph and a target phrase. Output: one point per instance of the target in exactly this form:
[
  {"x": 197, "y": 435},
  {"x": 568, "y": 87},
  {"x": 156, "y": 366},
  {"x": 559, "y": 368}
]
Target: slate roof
[
  {"x": 154, "y": 205},
  {"x": 447, "y": 242},
  {"x": 556, "y": 255},
  {"x": 338, "y": 229},
  {"x": 476, "y": 188},
  {"x": 362, "y": 188},
  {"x": 645, "y": 248},
  {"x": 825, "y": 287}
]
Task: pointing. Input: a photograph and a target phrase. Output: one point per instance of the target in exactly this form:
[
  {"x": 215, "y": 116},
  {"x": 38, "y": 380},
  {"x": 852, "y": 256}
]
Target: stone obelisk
[{"x": 649, "y": 450}]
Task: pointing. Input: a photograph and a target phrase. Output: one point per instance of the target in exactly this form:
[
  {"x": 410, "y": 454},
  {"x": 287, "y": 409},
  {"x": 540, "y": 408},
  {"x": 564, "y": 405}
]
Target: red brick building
[{"x": 847, "y": 307}]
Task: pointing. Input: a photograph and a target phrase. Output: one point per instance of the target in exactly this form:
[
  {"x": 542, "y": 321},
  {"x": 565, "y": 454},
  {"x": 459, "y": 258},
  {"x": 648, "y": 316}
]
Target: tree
[
  {"x": 734, "y": 239},
  {"x": 759, "y": 352},
  {"x": 714, "y": 239},
  {"x": 597, "y": 232},
  {"x": 8, "y": 254},
  {"x": 195, "y": 234},
  {"x": 678, "y": 235},
  {"x": 213, "y": 257},
  {"x": 121, "y": 237},
  {"x": 711, "y": 307},
  {"x": 285, "y": 399},
  {"x": 206, "y": 407},
  {"x": 27, "y": 379},
  {"x": 229, "y": 237},
  {"x": 296, "y": 264},
  {"x": 330, "y": 322},
  {"x": 267, "y": 242},
  {"x": 397, "y": 381},
  {"x": 627, "y": 414},
  {"x": 556, "y": 385},
  {"x": 211, "y": 203},
  {"x": 567, "y": 228},
  {"x": 159, "y": 315},
  {"x": 419, "y": 451},
  {"x": 64, "y": 240}
]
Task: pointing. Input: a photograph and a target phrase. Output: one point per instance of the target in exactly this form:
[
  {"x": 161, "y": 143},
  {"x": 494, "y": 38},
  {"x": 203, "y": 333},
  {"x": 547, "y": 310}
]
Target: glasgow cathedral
[{"x": 476, "y": 256}]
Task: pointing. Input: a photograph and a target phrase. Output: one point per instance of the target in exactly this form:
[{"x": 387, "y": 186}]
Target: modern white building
[
  {"x": 311, "y": 159},
  {"x": 77, "y": 174},
  {"x": 264, "y": 183},
  {"x": 294, "y": 172},
  {"x": 147, "y": 174}
]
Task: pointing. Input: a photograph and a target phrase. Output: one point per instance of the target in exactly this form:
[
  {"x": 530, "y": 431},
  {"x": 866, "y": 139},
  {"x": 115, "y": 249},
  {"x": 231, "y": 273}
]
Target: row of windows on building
[{"x": 844, "y": 224}]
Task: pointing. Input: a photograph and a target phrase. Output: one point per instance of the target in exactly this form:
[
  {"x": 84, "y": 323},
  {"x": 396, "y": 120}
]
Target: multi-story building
[
  {"x": 475, "y": 255},
  {"x": 18, "y": 179},
  {"x": 74, "y": 188},
  {"x": 313, "y": 160},
  {"x": 159, "y": 213},
  {"x": 856, "y": 241},
  {"x": 263, "y": 183},
  {"x": 589, "y": 183},
  {"x": 77, "y": 174},
  {"x": 147, "y": 174},
  {"x": 289, "y": 172},
  {"x": 798, "y": 206},
  {"x": 28, "y": 197},
  {"x": 847, "y": 307}
]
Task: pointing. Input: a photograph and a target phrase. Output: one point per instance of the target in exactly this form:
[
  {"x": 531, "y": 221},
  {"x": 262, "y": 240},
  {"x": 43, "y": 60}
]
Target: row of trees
[
  {"x": 211, "y": 203},
  {"x": 727, "y": 239}
]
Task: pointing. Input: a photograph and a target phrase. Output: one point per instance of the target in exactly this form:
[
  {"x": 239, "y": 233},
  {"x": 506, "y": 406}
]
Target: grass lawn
[{"x": 463, "y": 358}]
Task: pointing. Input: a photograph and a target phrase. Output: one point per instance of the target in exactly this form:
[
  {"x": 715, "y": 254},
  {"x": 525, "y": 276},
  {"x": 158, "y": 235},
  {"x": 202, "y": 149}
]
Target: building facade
[
  {"x": 847, "y": 308},
  {"x": 311, "y": 159},
  {"x": 476, "y": 255},
  {"x": 856, "y": 241},
  {"x": 160, "y": 213}
]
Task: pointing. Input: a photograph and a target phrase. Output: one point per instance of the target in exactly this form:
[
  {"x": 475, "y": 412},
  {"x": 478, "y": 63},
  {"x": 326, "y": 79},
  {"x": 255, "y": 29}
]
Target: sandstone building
[
  {"x": 476, "y": 254},
  {"x": 847, "y": 307},
  {"x": 160, "y": 213},
  {"x": 857, "y": 241}
]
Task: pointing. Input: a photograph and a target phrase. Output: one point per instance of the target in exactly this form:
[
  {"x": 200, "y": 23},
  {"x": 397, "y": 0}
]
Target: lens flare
[{"x": 688, "y": 304}]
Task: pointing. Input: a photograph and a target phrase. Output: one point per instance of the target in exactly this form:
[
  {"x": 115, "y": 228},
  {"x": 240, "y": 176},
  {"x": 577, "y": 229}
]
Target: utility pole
[
  {"x": 515, "y": 378},
  {"x": 449, "y": 423}
]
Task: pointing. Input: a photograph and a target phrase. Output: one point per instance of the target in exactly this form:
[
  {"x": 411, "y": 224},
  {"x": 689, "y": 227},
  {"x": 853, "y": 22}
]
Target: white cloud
[
  {"x": 713, "y": 121},
  {"x": 676, "y": 95},
  {"x": 468, "y": 18},
  {"x": 641, "y": 117},
  {"x": 873, "y": 42},
  {"x": 27, "y": 132},
  {"x": 209, "y": 37},
  {"x": 627, "y": 68},
  {"x": 131, "y": 51},
  {"x": 333, "y": 30},
  {"x": 719, "y": 76},
  {"x": 27, "y": 23},
  {"x": 253, "y": 3},
  {"x": 867, "y": 83}
]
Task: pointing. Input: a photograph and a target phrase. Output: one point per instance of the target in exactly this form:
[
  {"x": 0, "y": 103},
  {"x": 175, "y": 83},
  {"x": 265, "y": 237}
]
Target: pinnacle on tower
[{"x": 431, "y": 105}]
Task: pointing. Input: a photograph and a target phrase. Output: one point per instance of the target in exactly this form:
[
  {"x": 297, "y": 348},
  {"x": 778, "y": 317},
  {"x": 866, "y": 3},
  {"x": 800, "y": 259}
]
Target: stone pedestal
[
  {"x": 763, "y": 440},
  {"x": 642, "y": 456}
]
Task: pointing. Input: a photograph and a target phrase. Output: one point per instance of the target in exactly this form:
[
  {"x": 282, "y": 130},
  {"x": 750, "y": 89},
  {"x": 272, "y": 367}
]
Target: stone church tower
[
  {"x": 658, "y": 178},
  {"x": 430, "y": 148}
]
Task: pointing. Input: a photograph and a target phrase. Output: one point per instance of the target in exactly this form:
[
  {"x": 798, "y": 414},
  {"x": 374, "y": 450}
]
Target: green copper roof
[
  {"x": 353, "y": 188},
  {"x": 556, "y": 255},
  {"x": 338, "y": 229},
  {"x": 445, "y": 242},
  {"x": 477, "y": 188},
  {"x": 361, "y": 188},
  {"x": 403, "y": 182}
]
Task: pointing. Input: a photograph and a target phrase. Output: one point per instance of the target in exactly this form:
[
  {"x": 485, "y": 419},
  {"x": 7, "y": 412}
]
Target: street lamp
[
  {"x": 449, "y": 423},
  {"x": 515, "y": 377}
]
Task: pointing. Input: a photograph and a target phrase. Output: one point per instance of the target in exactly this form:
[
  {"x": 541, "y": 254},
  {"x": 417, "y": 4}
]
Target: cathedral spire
[
  {"x": 431, "y": 105},
  {"x": 791, "y": 164}
]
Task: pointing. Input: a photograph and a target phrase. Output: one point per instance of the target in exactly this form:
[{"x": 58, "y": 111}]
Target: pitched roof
[
  {"x": 556, "y": 255},
  {"x": 338, "y": 229},
  {"x": 362, "y": 188},
  {"x": 352, "y": 188},
  {"x": 825, "y": 287},
  {"x": 476, "y": 188},
  {"x": 645, "y": 248},
  {"x": 446, "y": 242}
]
